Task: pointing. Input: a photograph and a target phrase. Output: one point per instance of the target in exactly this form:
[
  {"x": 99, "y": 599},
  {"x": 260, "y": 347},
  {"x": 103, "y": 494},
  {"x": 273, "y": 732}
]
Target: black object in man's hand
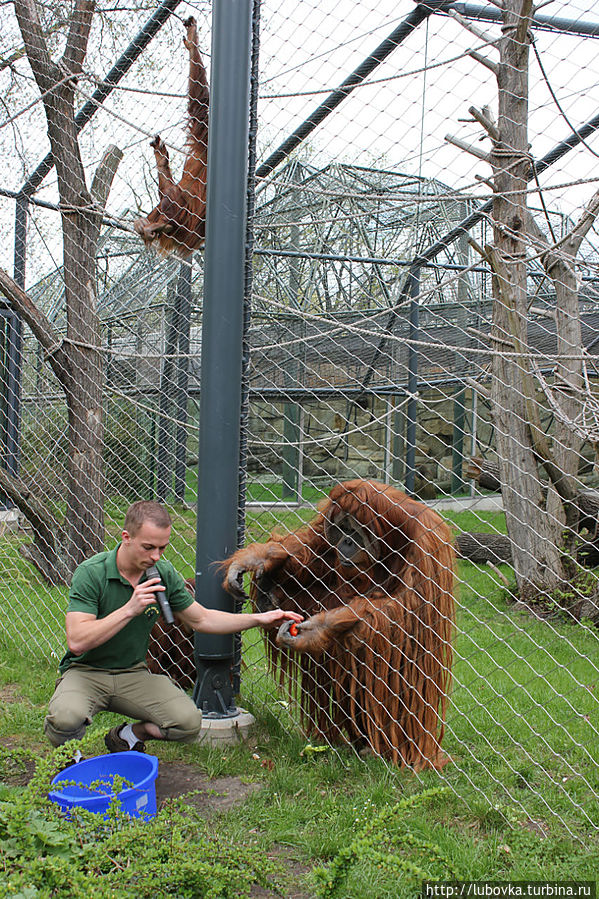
[{"x": 161, "y": 599}]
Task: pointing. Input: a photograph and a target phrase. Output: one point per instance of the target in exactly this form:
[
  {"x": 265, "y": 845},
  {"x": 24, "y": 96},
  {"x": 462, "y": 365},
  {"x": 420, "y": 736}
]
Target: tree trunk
[
  {"x": 484, "y": 472},
  {"x": 84, "y": 524},
  {"x": 535, "y": 536},
  {"x": 480, "y": 548},
  {"x": 77, "y": 361},
  {"x": 47, "y": 551}
]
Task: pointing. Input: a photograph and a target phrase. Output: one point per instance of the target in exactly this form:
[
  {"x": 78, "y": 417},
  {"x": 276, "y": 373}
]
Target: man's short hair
[{"x": 145, "y": 510}]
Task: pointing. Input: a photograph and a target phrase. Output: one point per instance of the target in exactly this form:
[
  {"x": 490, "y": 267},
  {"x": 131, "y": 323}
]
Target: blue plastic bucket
[{"x": 138, "y": 800}]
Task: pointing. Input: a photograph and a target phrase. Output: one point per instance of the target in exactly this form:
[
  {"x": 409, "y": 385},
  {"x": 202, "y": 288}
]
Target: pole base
[
  {"x": 226, "y": 731},
  {"x": 213, "y": 691}
]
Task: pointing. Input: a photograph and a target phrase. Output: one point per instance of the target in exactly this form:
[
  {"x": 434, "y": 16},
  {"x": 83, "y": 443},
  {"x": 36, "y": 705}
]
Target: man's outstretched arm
[{"x": 214, "y": 621}]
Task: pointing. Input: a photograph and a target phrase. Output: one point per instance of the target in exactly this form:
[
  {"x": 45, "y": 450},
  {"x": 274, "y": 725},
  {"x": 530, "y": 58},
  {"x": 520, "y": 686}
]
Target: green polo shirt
[{"x": 98, "y": 588}]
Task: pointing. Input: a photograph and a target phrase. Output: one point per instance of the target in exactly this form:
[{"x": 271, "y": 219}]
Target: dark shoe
[{"x": 115, "y": 743}]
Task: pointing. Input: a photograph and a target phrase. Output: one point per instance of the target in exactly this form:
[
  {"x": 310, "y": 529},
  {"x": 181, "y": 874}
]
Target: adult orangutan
[
  {"x": 178, "y": 222},
  {"x": 373, "y": 573}
]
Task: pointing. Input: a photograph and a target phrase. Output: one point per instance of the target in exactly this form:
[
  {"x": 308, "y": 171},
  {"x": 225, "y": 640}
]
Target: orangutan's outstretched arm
[
  {"x": 315, "y": 634},
  {"x": 165, "y": 176},
  {"x": 259, "y": 558}
]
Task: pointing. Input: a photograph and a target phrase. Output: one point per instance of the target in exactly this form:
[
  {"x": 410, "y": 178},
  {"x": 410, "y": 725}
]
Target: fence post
[{"x": 222, "y": 340}]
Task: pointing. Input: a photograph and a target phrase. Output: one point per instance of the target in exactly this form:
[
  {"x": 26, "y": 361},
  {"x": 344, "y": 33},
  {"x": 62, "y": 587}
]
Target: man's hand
[
  {"x": 85, "y": 631},
  {"x": 275, "y": 617},
  {"x": 144, "y": 595}
]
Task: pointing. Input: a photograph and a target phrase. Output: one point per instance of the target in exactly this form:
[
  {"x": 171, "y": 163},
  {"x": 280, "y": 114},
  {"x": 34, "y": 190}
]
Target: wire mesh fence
[{"x": 423, "y": 315}]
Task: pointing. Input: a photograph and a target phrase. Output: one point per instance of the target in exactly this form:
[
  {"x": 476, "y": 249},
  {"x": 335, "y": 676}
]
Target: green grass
[
  {"x": 521, "y": 791},
  {"x": 485, "y": 522}
]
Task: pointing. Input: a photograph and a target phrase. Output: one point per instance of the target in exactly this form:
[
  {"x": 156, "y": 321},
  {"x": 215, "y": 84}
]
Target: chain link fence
[{"x": 423, "y": 313}]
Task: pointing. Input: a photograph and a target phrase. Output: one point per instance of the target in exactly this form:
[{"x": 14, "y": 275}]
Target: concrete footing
[{"x": 226, "y": 731}]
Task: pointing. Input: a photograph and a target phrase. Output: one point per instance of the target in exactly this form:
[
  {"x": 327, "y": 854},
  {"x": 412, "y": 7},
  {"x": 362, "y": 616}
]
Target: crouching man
[{"x": 112, "y": 609}]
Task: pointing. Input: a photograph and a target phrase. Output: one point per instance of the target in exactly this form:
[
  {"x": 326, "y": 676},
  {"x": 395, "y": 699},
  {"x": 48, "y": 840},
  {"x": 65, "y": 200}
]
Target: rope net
[{"x": 424, "y": 331}]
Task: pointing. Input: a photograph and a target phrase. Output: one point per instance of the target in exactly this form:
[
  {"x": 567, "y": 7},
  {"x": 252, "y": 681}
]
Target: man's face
[{"x": 145, "y": 548}]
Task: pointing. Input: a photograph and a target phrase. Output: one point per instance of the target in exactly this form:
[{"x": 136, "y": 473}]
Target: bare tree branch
[
  {"x": 485, "y": 62},
  {"x": 584, "y": 224},
  {"x": 468, "y": 148},
  {"x": 524, "y": 23},
  {"x": 488, "y": 124},
  {"x": 41, "y": 327},
  {"x": 473, "y": 29},
  {"x": 78, "y": 37},
  {"x": 104, "y": 175},
  {"x": 46, "y": 72}
]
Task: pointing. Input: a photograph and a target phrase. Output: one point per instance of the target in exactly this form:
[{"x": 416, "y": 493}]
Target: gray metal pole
[
  {"x": 458, "y": 484},
  {"x": 538, "y": 22},
  {"x": 292, "y": 369},
  {"x": 222, "y": 339},
  {"x": 14, "y": 347},
  {"x": 247, "y": 315}
]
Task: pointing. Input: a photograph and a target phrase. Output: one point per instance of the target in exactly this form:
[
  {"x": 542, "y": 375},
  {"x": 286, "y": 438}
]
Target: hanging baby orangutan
[
  {"x": 373, "y": 576},
  {"x": 178, "y": 222}
]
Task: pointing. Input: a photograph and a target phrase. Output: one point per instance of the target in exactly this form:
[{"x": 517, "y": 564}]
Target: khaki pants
[{"x": 82, "y": 692}]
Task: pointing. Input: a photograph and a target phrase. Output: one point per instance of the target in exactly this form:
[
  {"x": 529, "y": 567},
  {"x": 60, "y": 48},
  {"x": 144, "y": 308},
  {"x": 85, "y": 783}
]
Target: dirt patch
[
  {"x": 16, "y": 771},
  {"x": 537, "y": 827},
  {"x": 9, "y": 693},
  {"x": 219, "y": 794}
]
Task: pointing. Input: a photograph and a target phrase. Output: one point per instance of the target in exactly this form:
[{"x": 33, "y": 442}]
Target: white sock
[{"x": 126, "y": 733}]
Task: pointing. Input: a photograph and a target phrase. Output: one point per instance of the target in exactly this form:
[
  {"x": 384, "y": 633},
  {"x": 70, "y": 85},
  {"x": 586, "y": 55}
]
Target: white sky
[{"x": 398, "y": 120}]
